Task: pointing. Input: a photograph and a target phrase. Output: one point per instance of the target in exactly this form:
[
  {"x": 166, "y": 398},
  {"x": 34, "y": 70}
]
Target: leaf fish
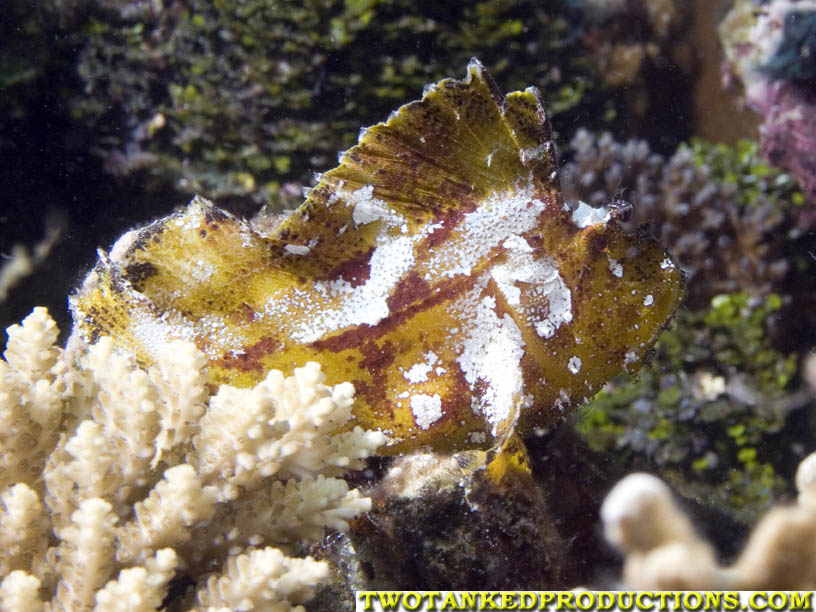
[{"x": 436, "y": 268}]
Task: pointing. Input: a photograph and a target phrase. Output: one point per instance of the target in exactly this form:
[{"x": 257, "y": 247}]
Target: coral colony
[
  {"x": 117, "y": 479},
  {"x": 770, "y": 51},
  {"x": 187, "y": 431}
]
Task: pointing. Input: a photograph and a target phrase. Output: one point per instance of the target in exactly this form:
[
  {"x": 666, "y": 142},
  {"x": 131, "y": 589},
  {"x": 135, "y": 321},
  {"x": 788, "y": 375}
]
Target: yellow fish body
[{"x": 436, "y": 268}]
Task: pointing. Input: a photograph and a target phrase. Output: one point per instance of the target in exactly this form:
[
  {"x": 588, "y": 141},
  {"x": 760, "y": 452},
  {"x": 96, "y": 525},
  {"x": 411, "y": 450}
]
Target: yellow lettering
[
  {"x": 755, "y": 597},
  {"x": 469, "y": 599},
  {"x": 585, "y": 600},
  {"x": 488, "y": 603},
  {"x": 416, "y": 597},
  {"x": 450, "y": 602},
  {"x": 801, "y": 601},
  {"x": 731, "y": 601},
  {"x": 527, "y": 600},
  {"x": 508, "y": 601},
  {"x": 692, "y": 600},
  {"x": 777, "y": 601},
  {"x": 639, "y": 603},
  {"x": 389, "y": 600},
  {"x": 565, "y": 601},
  {"x": 606, "y": 601},
  {"x": 622, "y": 603},
  {"x": 713, "y": 600},
  {"x": 547, "y": 597},
  {"x": 432, "y": 596},
  {"x": 366, "y": 597}
]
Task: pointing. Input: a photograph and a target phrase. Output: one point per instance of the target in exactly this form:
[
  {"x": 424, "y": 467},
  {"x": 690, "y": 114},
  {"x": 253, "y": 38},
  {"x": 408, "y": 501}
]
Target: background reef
[{"x": 113, "y": 112}]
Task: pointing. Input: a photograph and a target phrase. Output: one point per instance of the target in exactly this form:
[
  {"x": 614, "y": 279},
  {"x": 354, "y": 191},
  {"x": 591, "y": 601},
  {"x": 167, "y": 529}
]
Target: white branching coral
[
  {"x": 23, "y": 261},
  {"x": 23, "y": 528},
  {"x": 266, "y": 577},
  {"x": 115, "y": 479},
  {"x": 662, "y": 549},
  {"x": 664, "y": 552},
  {"x": 34, "y": 389}
]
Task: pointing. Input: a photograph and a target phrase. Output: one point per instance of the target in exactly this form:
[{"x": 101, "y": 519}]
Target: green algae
[
  {"x": 255, "y": 94},
  {"x": 741, "y": 166},
  {"x": 704, "y": 411}
]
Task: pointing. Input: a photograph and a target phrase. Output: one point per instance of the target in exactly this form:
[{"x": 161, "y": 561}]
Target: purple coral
[
  {"x": 789, "y": 131},
  {"x": 771, "y": 51}
]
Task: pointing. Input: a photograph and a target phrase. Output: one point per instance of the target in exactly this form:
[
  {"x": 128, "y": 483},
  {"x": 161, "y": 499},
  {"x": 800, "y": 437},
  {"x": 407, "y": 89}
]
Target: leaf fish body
[{"x": 436, "y": 268}]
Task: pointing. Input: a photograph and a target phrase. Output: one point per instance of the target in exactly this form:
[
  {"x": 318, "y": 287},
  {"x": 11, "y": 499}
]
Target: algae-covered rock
[
  {"x": 246, "y": 98},
  {"x": 716, "y": 413},
  {"x": 239, "y": 98},
  {"x": 430, "y": 527}
]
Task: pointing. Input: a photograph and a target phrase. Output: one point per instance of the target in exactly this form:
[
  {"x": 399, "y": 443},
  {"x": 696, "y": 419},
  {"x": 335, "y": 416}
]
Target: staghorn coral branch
[
  {"x": 85, "y": 555},
  {"x": 294, "y": 511},
  {"x": 19, "y": 593},
  {"x": 127, "y": 408},
  {"x": 285, "y": 429},
  {"x": 139, "y": 589},
  {"x": 30, "y": 351},
  {"x": 176, "y": 503},
  {"x": 23, "y": 528},
  {"x": 662, "y": 548},
  {"x": 663, "y": 551},
  {"x": 34, "y": 393},
  {"x": 266, "y": 577},
  {"x": 81, "y": 467},
  {"x": 181, "y": 381}
]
